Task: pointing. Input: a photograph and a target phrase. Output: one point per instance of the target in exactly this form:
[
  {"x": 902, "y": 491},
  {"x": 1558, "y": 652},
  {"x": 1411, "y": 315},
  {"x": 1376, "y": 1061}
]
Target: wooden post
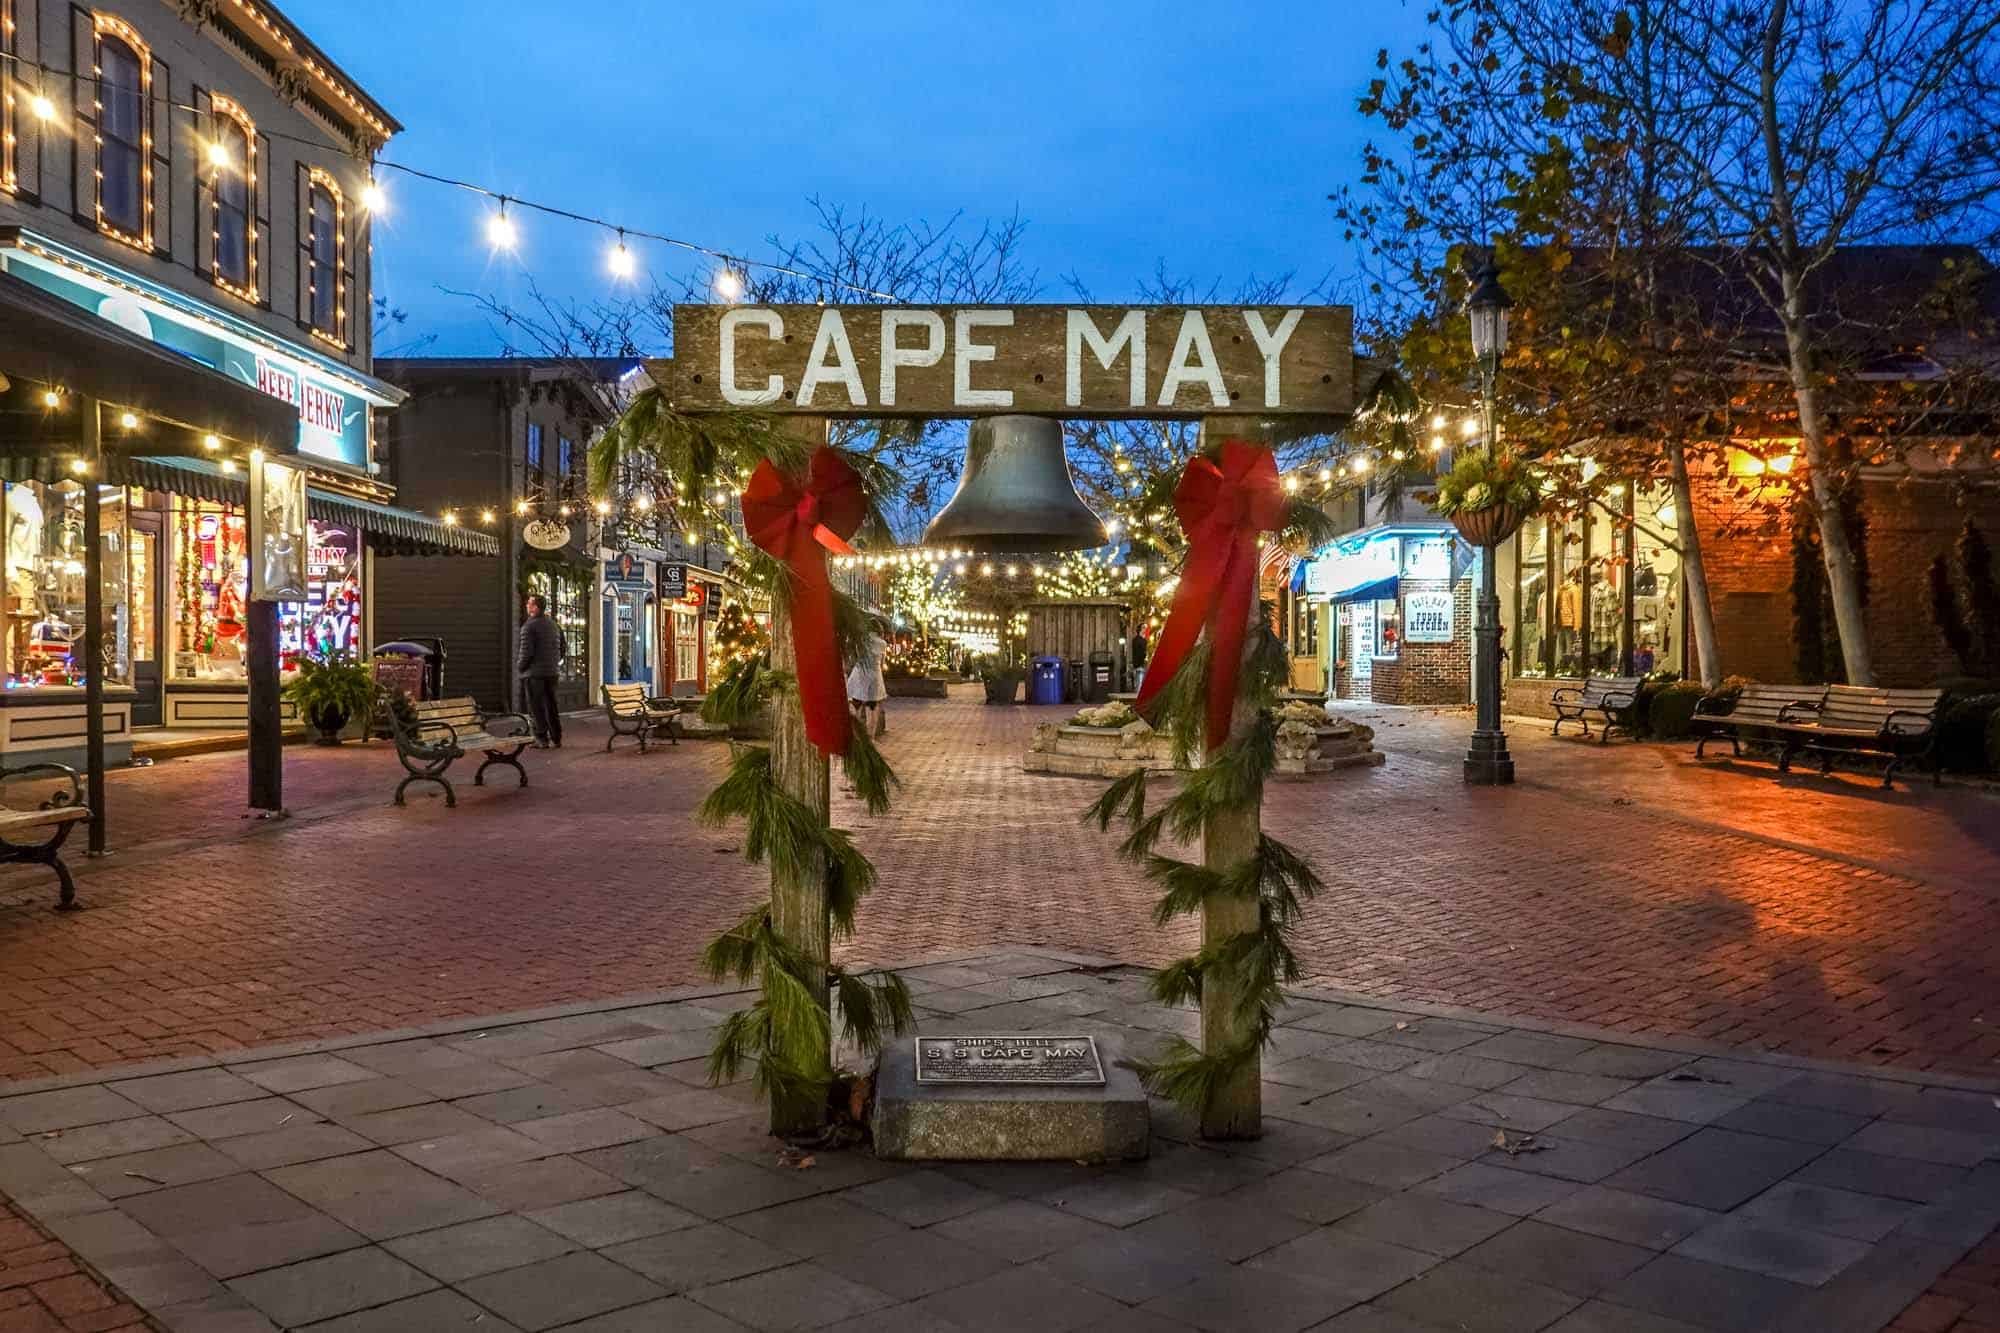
[
  {"x": 798, "y": 906},
  {"x": 1237, "y": 1109},
  {"x": 92, "y": 452}
]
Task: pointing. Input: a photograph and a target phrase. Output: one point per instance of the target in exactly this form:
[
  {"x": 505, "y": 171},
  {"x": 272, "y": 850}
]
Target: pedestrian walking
[
  {"x": 865, "y": 687},
  {"x": 538, "y": 653},
  {"x": 1139, "y": 646}
]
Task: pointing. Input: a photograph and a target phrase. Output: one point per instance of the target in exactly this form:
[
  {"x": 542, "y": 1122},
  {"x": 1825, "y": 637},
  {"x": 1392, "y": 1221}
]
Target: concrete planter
[
  {"x": 1104, "y": 752},
  {"x": 916, "y": 687}
]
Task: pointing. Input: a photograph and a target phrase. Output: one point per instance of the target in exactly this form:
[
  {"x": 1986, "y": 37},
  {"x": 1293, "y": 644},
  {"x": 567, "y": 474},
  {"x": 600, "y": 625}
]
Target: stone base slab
[{"x": 990, "y": 1122}]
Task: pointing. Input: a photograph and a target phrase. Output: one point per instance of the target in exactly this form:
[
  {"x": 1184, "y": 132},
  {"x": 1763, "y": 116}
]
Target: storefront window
[
  {"x": 329, "y": 621},
  {"x": 687, "y": 642},
  {"x": 43, "y": 643},
  {"x": 211, "y": 587},
  {"x": 1604, "y": 576},
  {"x": 1531, "y": 600},
  {"x": 562, "y": 591},
  {"x": 1388, "y": 628},
  {"x": 1656, "y": 585}
]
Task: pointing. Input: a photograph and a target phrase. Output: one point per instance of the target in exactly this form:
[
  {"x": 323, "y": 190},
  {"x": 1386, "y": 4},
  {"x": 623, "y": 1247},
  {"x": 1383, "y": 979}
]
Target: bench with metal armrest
[
  {"x": 442, "y": 731},
  {"x": 1865, "y": 719},
  {"x": 62, "y": 811},
  {"x": 1761, "y": 713},
  {"x": 632, "y": 712},
  {"x": 1607, "y": 695}
]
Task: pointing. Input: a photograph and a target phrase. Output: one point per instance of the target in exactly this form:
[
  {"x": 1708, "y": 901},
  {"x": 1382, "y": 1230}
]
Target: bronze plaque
[
  {"x": 1009, "y": 1058},
  {"x": 1045, "y": 360}
]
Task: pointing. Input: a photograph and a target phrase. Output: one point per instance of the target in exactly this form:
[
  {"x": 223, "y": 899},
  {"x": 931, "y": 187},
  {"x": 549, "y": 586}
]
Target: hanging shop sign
[
  {"x": 968, "y": 361},
  {"x": 332, "y": 400},
  {"x": 711, "y": 598},
  {"x": 673, "y": 582},
  {"x": 546, "y": 534},
  {"x": 696, "y": 595},
  {"x": 626, "y": 571},
  {"x": 1427, "y": 617},
  {"x": 277, "y": 533}
]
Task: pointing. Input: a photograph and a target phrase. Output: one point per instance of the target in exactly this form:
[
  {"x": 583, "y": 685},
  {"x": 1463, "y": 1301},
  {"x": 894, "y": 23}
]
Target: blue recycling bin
[{"x": 1045, "y": 680}]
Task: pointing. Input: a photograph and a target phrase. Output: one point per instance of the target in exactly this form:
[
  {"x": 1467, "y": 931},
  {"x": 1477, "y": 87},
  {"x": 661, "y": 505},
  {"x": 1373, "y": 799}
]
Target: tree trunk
[
  {"x": 1843, "y": 580},
  {"x": 1237, "y": 1109},
  {"x": 798, "y": 906},
  {"x": 1701, "y": 611}
]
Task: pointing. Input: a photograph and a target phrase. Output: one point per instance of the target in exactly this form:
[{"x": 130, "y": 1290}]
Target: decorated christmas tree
[{"x": 737, "y": 636}]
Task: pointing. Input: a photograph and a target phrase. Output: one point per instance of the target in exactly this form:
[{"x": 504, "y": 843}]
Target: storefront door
[{"x": 143, "y": 595}]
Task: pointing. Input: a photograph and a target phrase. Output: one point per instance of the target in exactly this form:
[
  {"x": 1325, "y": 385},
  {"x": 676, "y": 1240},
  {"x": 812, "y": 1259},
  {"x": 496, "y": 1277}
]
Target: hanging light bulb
[
  {"x": 1291, "y": 485},
  {"x": 256, "y": 457},
  {"x": 218, "y": 154},
  {"x": 644, "y": 502},
  {"x": 603, "y": 508},
  {"x": 373, "y": 199},
  {"x": 486, "y": 516},
  {"x": 44, "y": 109},
  {"x": 211, "y": 442},
  {"x": 51, "y": 398},
  {"x": 562, "y": 510},
  {"x": 229, "y": 465},
  {"x": 620, "y": 260},
  {"x": 500, "y": 233},
  {"x": 128, "y": 421},
  {"x": 78, "y": 466},
  {"x": 520, "y": 506},
  {"x": 1326, "y": 474},
  {"x": 450, "y": 519},
  {"x": 728, "y": 283}
]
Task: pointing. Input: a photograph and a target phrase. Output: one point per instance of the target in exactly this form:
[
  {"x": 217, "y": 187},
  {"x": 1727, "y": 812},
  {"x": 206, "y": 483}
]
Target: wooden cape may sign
[{"x": 1049, "y": 360}]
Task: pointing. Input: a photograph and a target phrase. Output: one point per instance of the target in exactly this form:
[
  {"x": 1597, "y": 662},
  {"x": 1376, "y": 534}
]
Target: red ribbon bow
[
  {"x": 1222, "y": 508},
  {"x": 799, "y": 523}
]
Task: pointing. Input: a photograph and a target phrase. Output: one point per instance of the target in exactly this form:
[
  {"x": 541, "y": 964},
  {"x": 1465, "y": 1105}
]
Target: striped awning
[{"x": 391, "y": 531}]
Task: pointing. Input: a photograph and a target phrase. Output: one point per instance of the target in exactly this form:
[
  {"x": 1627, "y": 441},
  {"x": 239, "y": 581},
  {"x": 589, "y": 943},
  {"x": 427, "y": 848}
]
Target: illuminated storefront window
[
  {"x": 43, "y": 637},
  {"x": 211, "y": 587},
  {"x": 329, "y": 621},
  {"x": 1599, "y": 593},
  {"x": 563, "y": 591}
]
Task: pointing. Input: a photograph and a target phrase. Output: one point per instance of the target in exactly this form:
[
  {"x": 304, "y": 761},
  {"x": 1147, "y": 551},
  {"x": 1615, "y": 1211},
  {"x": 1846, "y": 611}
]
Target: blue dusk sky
[{"x": 1129, "y": 135}]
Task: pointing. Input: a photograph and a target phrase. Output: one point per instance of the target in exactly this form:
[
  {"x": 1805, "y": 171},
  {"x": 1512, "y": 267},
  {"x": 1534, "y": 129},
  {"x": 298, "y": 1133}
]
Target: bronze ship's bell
[{"x": 1015, "y": 494}]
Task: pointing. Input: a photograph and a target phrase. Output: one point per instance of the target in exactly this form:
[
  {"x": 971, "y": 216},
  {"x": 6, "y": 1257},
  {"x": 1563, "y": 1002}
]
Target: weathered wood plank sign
[{"x": 1052, "y": 360}]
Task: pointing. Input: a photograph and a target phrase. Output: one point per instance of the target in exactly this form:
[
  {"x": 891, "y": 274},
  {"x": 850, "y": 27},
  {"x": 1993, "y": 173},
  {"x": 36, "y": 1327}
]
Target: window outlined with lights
[
  {"x": 122, "y": 67},
  {"x": 10, "y": 179},
  {"x": 324, "y": 238},
  {"x": 233, "y": 186}
]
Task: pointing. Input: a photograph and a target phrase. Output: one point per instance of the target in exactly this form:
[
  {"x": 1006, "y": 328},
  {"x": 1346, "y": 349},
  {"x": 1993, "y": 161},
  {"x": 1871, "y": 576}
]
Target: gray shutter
[
  {"x": 161, "y": 118},
  {"x": 302, "y": 239},
  {"x": 204, "y": 188},
  {"x": 83, "y": 116},
  {"x": 28, "y": 134},
  {"x": 260, "y": 204}
]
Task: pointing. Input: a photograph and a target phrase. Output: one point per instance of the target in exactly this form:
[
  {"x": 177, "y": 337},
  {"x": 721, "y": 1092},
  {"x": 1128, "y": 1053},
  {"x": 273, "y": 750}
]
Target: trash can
[
  {"x": 1045, "y": 680},
  {"x": 1097, "y": 683},
  {"x": 1073, "y": 682}
]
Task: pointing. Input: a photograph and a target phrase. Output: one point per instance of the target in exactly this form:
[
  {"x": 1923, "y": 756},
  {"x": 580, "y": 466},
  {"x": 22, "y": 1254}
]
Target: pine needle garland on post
[
  {"x": 1249, "y": 889},
  {"x": 780, "y": 791}
]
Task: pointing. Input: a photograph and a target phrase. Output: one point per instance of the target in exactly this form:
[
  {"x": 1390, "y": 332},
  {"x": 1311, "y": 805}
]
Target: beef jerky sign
[{"x": 964, "y": 361}]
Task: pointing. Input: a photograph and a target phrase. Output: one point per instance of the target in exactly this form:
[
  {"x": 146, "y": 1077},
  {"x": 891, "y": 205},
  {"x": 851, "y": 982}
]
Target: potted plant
[
  {"x": 1002, "y": 681},
  {"x": 328, "y": 691},
  {"x": 1488, "y": 494}
]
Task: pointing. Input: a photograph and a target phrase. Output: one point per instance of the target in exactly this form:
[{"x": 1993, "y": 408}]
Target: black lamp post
[{"x": 1487, "y": 762}]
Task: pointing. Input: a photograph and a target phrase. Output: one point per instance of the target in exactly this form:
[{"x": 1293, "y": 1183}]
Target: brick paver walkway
[
  {"x": 571, "y": 1171},
  {"x": 1621, "y": 887},
  {"x": 45, "y": 1288}
]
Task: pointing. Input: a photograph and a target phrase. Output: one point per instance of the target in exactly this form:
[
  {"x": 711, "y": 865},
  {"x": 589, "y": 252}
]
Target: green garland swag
[{"x": 1260, "y": 961}]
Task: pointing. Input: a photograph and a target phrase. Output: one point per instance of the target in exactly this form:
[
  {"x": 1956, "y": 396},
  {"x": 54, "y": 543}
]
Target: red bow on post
[
  {"x": 1222, "y": 509},
  {"x": 799, "y": 523}
]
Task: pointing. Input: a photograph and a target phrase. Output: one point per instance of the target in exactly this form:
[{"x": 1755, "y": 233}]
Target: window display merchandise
[
  {"x": 211, "y": 583},
  {"x": 329, "y": 620},
  {"x": 43, "y": 638}
]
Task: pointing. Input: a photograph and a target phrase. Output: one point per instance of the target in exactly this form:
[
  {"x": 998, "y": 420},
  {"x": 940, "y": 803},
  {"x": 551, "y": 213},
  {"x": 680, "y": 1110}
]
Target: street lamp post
[{"x": 1487, "y": 762}]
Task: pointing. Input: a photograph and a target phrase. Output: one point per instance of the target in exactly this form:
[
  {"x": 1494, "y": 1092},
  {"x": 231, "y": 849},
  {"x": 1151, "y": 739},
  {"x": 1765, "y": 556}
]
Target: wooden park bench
[
  {"x": 1760, "y": 714},
  {"x": 58, "y": 814},
  {"x": 1606, "y": 695},
  {"x": 1865, "y": 719},
  {"x": 632, "y": 712},
  {"x": 440, "y": 732}
]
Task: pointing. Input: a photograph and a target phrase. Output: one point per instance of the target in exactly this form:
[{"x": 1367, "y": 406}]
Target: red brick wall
[
  {"x": 1431, "y": 673},
  {"x": 1750, "y": 576}
]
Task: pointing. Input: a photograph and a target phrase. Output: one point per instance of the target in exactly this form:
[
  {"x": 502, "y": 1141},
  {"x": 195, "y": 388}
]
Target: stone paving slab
[{"x": 1739, "y": 1193}]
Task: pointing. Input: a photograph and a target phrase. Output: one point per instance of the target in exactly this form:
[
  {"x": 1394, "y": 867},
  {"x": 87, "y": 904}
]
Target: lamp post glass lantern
[{"x": 1487, "y": 762}]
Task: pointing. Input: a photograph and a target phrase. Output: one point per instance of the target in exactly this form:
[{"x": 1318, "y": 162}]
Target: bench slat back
[
  {"x": 1867, "y": 708},
  {"x": 461, "y": 713},
  {"x": 1759, "y": 705},
  {"x": 625, "y": 696},
  {"x": 1598, "y": 687}
]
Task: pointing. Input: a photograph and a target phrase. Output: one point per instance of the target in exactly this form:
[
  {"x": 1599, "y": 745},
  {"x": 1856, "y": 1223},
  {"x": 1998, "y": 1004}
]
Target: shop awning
[
  {"x": 1381, "y": 590},
  {"x": 391, "y": 531}
]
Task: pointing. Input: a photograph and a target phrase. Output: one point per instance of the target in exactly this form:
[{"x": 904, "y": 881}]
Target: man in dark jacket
[{"x": 538, "y": 656}]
